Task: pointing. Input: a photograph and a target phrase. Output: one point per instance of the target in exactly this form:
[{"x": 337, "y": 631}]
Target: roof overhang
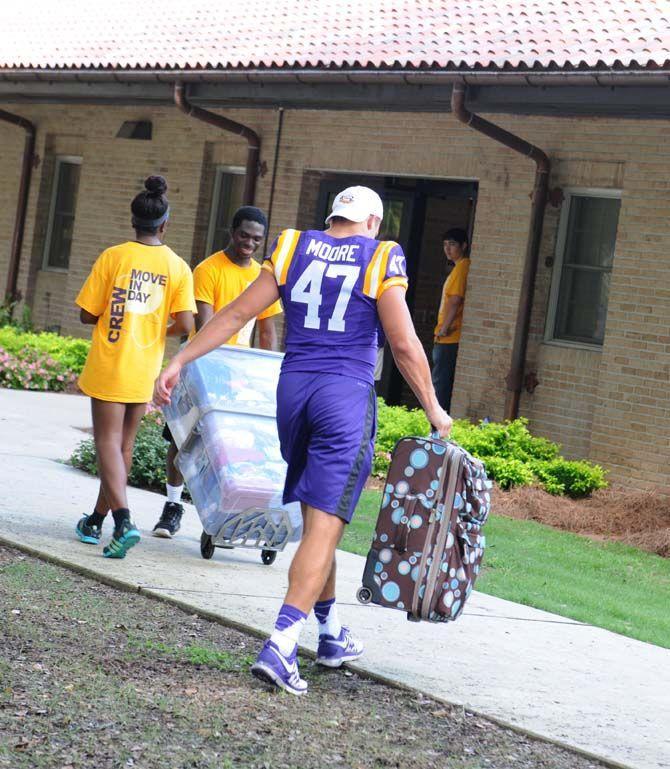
[{"x": 629, "y": 93}]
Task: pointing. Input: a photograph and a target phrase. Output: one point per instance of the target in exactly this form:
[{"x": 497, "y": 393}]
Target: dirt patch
[
  {"x": 91, "y": 676},
  {"x": 638, "y": 518},
  {"x": 375, "y": 484}
]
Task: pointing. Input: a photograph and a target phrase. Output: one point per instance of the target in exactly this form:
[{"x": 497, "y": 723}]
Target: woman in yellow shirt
[{"x": 132, "y": 292}]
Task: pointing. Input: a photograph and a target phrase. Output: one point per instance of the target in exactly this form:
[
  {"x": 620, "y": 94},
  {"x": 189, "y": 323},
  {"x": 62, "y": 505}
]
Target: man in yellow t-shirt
[
  {"x": 219, "y": 280},
  {"x": 450, "y": 315}
]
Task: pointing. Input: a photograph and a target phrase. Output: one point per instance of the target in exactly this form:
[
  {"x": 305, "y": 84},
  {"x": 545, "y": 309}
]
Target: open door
[{"x": 416, "y": 214}]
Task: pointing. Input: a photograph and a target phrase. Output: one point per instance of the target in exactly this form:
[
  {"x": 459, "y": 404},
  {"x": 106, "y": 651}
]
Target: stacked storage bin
[{"x": 222, "y": 417}]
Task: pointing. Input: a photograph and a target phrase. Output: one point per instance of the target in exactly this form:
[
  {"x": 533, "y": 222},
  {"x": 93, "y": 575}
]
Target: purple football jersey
[{"x": 329, "y": 288}]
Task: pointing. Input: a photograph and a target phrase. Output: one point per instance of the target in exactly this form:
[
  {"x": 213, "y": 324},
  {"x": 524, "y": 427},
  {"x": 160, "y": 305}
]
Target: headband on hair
[{"x": 140, "y": 223}]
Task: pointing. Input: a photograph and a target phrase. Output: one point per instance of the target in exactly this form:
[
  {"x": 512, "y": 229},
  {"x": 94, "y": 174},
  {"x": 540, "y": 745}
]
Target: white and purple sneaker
[
  {"x": 273, "y": 668},
  {"x": 334, "y": 652}
]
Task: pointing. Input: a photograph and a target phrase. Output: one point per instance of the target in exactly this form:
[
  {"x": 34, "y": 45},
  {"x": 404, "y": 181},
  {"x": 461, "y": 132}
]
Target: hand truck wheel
[
  {"x": 268, "y": 556},
  {"x": 206, "y": 545}
]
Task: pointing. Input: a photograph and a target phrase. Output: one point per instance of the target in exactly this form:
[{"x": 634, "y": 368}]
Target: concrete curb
[{"x": 184, "y": 606}]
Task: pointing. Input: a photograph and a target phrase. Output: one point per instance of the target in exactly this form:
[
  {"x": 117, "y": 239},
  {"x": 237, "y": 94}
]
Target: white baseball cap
[{"x": 356, "y": 204}]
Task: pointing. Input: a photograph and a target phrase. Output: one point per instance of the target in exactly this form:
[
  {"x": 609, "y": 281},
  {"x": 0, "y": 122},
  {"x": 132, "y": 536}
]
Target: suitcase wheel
[
  {"x": 364, "y": 595},
  {"x": 206, "y": 546},
  {"x": 268, "y": 556}
]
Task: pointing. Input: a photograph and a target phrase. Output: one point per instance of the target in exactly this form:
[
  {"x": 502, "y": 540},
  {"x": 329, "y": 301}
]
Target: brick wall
[
  {"x": 11, "y": 155},
  {"x": 610, "y": 405}
]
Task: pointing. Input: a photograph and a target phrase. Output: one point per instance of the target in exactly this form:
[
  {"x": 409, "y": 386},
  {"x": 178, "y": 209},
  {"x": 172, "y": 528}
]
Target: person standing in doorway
[
  {"x": 450, "y": 315},
  {"x": 218, "y": 280},
  {"x": 137, "y": 293}
]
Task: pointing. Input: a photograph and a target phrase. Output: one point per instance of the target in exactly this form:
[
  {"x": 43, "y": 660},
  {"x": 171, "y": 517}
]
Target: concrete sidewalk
[{"x": 582, "y": 686}]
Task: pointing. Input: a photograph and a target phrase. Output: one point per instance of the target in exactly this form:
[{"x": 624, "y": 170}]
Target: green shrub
[
  {"x": 571, "y": 477},
  {"x": 394, "y": 423},
  {"x": 66, "y": 350},
  {"x": 512, "y": 455},
  {"x": 83, "y": 457},
  {"x": 33, "y": 370},
  {"x": 508, "y": 472},
  {"x": 38, "y": 361},
  {"x": 149, "y": 455},
  {"x": 8, "y": 316},
  {"x": 503, "y": 439}
]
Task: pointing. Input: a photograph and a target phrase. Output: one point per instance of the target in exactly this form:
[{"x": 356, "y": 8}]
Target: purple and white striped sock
[
  {"x": 290, "y": 622},
  {"x": 326, "y": 614}
]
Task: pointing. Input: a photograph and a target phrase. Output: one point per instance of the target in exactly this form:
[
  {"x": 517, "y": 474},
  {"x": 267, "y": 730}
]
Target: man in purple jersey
[{"x": 336, "y": 287}]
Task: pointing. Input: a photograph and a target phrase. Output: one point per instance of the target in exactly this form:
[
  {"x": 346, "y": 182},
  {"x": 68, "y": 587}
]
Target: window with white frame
[
  {"x": 226, "y": 199},
  {"x": 61, "y": 213},
  {"x": 583, "y": 266}
]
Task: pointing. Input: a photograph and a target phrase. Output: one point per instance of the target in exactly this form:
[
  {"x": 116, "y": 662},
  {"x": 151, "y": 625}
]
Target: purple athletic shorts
[{"x": 326, "y": 426}]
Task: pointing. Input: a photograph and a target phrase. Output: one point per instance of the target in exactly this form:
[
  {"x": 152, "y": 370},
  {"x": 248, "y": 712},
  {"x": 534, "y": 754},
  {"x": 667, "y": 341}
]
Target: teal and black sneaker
[
  {"x": 87, "y": 533},
  {"x": 125, "y": 537}
]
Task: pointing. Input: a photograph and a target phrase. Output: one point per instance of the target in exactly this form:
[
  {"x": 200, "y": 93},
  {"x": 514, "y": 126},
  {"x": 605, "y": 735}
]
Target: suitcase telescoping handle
[{"x": 401, "y": 537}]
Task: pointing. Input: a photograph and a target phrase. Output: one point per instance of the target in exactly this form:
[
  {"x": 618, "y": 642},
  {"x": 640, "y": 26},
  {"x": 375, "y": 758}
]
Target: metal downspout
[
  {"x": 224, "y": 123},
  {"x": 273, "y": 183},
  {"x": 514, "y": 379},
  {"x": 11, "y": 293}
]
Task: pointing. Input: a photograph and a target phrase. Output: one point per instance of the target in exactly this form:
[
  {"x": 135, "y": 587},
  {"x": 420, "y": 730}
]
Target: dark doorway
[{"x": 416, "y": 213}]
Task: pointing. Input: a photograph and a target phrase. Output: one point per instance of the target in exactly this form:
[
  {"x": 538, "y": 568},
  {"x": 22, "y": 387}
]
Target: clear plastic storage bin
[
  {"x": 232, "y": 467},
  {"x": 239, "y": 379},
  {"x": 222, "y": 416}
]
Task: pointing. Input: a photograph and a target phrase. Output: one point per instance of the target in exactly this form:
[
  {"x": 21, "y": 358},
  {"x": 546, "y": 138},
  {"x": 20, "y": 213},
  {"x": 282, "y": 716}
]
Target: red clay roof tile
[{"x": 466, "y": 34}]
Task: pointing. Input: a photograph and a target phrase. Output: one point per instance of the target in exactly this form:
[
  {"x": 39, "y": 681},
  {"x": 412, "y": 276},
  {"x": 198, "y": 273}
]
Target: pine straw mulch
[{"x": 637, "y": 518}]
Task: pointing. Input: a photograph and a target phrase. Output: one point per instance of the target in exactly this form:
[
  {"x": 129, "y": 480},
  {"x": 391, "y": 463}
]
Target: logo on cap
[{"x": 346, "y": 199}]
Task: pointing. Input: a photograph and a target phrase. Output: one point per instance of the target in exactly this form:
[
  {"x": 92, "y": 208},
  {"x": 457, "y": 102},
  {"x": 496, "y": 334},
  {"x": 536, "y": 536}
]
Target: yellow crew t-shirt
[
  {"x": 132, "y": 288},
  {"x": 219, "y": 281},
  {"x": 455, "y": 285}
]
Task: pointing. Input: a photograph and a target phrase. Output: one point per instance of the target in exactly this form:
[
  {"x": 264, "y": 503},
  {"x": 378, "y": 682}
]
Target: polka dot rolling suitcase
[{"x": 428, "y": 545}]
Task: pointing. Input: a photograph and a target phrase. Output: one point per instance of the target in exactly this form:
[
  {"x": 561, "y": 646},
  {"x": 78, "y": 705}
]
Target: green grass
[
  {"x": 606, "y": 584},
  {"x": 196, "y": 654}
]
